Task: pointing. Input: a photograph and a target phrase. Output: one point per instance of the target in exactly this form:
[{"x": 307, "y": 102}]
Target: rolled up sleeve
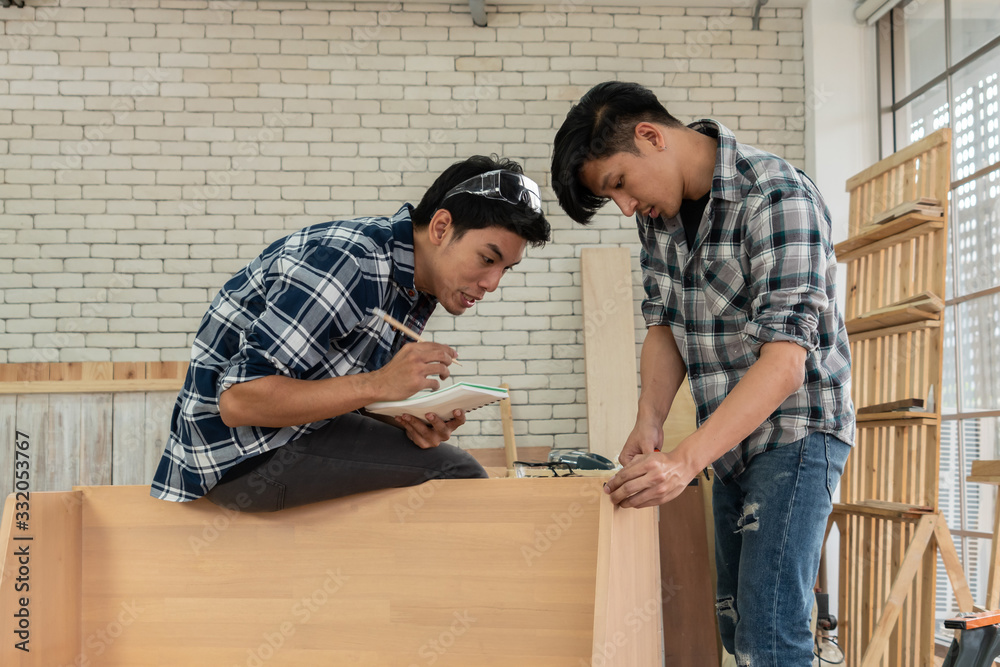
[{"x": 788, "y": 265}]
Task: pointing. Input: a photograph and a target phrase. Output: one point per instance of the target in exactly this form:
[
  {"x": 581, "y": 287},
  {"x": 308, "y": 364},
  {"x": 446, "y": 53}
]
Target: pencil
[{"x": 399, "y": 326}]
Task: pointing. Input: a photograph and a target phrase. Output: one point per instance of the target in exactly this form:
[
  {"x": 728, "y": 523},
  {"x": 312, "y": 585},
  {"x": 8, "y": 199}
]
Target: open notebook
[{"x": 459, "y": 396}]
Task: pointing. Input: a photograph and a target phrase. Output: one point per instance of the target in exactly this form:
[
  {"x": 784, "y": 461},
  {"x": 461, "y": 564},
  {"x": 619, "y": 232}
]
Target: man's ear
[
  {"x": 440, "y": 226},
  {"x": 650, "y": 133}
]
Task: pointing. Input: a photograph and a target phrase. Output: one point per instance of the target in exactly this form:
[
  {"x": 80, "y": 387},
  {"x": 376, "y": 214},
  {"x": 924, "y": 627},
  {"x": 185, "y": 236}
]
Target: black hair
[
  {"x": 470, "y": 211},
  {"x": 599, "y": 126}
]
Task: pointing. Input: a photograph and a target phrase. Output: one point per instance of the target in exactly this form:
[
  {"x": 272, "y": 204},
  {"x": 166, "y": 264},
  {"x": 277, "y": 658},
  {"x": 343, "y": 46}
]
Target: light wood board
[{"x": 609, "y": 348}]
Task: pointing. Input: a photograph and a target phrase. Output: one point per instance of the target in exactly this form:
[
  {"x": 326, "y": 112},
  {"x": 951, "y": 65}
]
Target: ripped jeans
[{"x": 769, "y": 526}]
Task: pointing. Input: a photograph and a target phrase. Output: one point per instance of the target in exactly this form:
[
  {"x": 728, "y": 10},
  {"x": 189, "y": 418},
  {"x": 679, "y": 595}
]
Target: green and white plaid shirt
[{"x": 762, "y": 269}]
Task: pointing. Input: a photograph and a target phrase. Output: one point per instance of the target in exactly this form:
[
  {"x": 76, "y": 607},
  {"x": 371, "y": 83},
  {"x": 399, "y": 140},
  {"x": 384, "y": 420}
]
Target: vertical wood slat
[
  {"x": 8, "y": 419},
  {"x": 128, "y": 439},
  {"x": 95, "y": 453},
  {"x": 57, "y": 467}
]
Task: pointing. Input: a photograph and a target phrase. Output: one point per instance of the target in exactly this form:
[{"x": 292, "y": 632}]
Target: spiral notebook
[{"x": 459, "y": 396}]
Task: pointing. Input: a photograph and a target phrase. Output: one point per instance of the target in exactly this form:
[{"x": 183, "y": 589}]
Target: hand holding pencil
[{"x": 399, "y": 326}]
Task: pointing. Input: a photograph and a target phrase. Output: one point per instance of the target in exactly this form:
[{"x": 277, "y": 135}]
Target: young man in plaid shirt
[
  {"x": 739, "y": 275},
  {"x": 291, "y": 349}
]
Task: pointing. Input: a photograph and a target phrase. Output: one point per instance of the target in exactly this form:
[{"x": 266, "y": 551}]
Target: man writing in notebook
[
  {"x": 291, "y": 349},
  {"x": 739, "y": 274}
]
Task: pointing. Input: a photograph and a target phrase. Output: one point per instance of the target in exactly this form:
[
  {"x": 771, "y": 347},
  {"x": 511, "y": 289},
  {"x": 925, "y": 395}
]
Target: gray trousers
[{"x": 351, "y": 454}]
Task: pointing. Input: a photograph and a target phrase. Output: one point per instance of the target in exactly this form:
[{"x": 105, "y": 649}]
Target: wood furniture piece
[
  {"x": 686, "y": 553},
  {"x": 887, "y": 547},
  {"x": 458, "y": 572}
]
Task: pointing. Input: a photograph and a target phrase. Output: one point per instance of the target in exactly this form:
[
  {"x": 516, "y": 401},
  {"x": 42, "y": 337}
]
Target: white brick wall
[{"x": 149, "y": 151}]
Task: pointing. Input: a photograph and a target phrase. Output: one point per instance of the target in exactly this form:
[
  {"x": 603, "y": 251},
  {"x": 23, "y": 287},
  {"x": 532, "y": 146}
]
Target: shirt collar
[
  {"x": 725, "y": 179},
  {"x": 402, "y": 249}
]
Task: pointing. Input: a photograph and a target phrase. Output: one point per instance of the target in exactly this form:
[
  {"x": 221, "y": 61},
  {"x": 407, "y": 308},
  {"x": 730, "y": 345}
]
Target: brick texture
[{"x": 147, "y": 153}]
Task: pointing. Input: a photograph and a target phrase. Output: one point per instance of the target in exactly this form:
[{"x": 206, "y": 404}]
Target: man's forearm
[
  {"x": 777, "y": 374},
  {"x": 662, "y": 371},
  {"x": 278, "y": 401}
]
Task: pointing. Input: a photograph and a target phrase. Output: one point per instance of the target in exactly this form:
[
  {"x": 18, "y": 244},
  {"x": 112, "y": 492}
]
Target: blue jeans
[{"x": 769, "y": 526}]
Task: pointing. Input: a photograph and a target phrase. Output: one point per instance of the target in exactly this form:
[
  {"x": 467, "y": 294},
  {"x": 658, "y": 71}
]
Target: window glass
[
  {"x": 949, "y": 399},
  {"x": 974, "y": 23},
  {"x": 975, "y": 226},
  {"x": 976, "y": 129},
  {"x": 979, "y": 337},
  {"x": 919, "y": 40},
  {"x": 923, "y": 116}
]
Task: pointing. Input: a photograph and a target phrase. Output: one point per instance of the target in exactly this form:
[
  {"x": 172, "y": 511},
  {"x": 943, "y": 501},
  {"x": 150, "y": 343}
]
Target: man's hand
[
  {"x": 408, "y": 372},
  {"x": 651, "y": 479},
  {"x": 426, "y": 436},
  {"x": 644, "y": 439}
]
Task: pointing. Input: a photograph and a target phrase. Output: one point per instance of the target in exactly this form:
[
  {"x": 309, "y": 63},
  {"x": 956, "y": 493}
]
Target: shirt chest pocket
[{"x": 727, "y": 294}]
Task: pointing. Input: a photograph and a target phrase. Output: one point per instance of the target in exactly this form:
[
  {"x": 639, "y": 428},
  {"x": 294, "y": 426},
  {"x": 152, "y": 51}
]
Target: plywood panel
[
  {"x": 609, "y": 348},
  {"x": 486, "y": 569},
  {"x": 45, "y": 551}
]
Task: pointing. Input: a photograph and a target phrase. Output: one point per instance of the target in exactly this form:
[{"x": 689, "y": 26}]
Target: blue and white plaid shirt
[
  {"x": 302, "y": 309},
  {"x": 761, "y": 269}
]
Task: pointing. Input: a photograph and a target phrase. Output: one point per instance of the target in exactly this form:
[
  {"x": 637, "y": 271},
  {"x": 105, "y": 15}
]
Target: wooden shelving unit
[{"x": 894, "y": 312}]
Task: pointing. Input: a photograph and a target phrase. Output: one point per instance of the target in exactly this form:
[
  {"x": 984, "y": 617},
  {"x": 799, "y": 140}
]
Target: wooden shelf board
[
  {"x": 90, "y": 386},
  {"x": 915, "y": 223},
  {"x": 892, "y": 318},
  {"x": 902, "y": 418}
]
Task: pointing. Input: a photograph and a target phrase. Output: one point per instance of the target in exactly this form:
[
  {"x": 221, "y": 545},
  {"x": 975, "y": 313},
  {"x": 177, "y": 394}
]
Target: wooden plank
[
  {"x": 914, "y": 150},
  {"x": 874, "y": 239},
  {"x": 903, "y": 404},
  {"x": 89, "y": 386},
  {"x": 32, "y": 420},
  {"x": 893, "y": 331},
  {"x": 897, "y": 595},
  {"x": 952, "y": 565},
  {"x": 8, "y": 431},
  {"x": 475, "y": 550},
  {"x": 688, "y": 593},
  {"x": 129, "y": 370},
  {"x": 883, "y": 509},
  {"x": 128, "y": 439},
  {"x": 509, "y": 442},
  {"x": 95, "y": 453},
  {"x": 54, "y": 544},
  {"x": 627, "y": 604},
  {"x": 159, "y": 407},
  {"x": 924, "y": 205},
  {"x": 609, "y": 348},
  {"x": 58, "y": 463},
  {"x": 985, "y": 471},
  {"x": 889, "y": 318},
  {"x": 881, "y": 419}
]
